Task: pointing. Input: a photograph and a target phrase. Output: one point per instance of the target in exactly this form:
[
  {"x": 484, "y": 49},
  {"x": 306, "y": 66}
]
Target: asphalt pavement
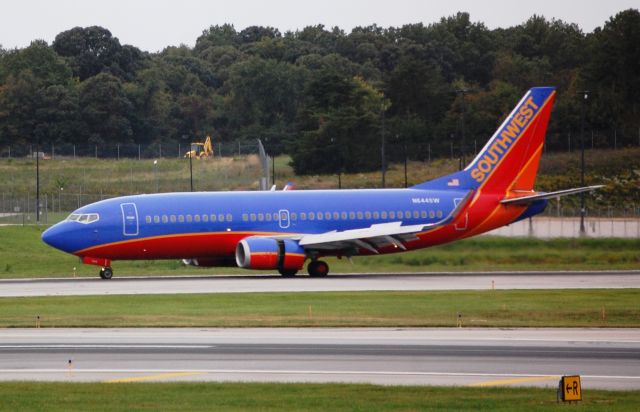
[{"x": 605, "y": 358}]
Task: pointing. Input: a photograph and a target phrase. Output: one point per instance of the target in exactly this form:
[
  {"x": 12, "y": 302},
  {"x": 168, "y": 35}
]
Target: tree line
[{"x": 326, "y": 97}]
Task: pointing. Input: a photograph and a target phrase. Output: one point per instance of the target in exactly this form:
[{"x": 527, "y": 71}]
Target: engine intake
[{"x": 265, "y": 253}]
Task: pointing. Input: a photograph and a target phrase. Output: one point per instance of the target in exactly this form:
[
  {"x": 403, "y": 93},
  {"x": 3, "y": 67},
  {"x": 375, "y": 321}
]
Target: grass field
[
  {"x": 23, "y": 254},
  {"x": 493, "y": 308},
  {"x": 619, "y": 170},
  {"x": 37, "y": 396}
]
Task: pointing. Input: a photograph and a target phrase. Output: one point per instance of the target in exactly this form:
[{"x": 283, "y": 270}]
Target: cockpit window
[{"x": 84, "y": 218}]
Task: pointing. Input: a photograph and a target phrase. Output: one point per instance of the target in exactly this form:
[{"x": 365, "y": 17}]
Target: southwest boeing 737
[{"x": 281, "y": 230}]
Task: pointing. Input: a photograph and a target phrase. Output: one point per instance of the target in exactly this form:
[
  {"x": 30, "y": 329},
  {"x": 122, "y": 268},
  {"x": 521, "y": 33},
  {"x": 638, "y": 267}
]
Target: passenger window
[
  {"x": 432, "y": 214},
  {"x": 260, "y": 217},
  {"x": 319, "y": 215},
  {"x": 392, "y": 215},
  {"x": 294, "y": 216},
  {"x": 327, "y": 215},
  {"x": 416, "y": 214},
  {"x": 276, "y": 216},
  {"x": 229, "y": 217},
  {"x": 156, "y": 219},
  {"x": 147, "y": 219},
  {"x": 367, "y": 215},
  {"x": 359, "y": 214},
  {"x": 172, "y": 218},
  {"x": 303, "y": 216},
  {"x": 423, "y": 214},
  {"x": 253, "y": 217},
  {"x": 376, "y": 215},
  {"x": 383, "y": 214},
  {"x": 181, "y": 218},
  {"x": 189, "y": 218},
  {"x": 165, "y": 219},
  {"x": 267, "y": 216},
  {"x": 312, "y": 216},
  {"x": 352, "y": 215},
  {"x": 343, "y": 215},
  {"x": 245, "y": 217},
  {"x": 336, "y": 215},
  {"x": 439, "y": 213},
  {"x": 205, "y": 218},
  {"x": 196, "y": 218}
]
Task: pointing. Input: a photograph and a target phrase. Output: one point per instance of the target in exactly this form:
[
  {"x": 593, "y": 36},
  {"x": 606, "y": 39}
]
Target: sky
[{"x": 152, "y": 25}]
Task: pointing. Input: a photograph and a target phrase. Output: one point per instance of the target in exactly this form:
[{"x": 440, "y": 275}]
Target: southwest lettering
[
  {"x": 504, "y": 140},
  {"x": 477, "y": 175}
]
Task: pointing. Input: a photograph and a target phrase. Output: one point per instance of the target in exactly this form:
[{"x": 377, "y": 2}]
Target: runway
[
  {"x": 336, "y": 282},
  {"x": 605, "y": 358}
]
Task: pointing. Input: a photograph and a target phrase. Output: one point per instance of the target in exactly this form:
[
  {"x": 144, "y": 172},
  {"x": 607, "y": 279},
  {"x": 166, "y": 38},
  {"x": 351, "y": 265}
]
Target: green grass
[
  {"x": 492, "y": 308},
  {"x": 619, "y": 170},
  {"x": 37, "y": 396},
  {"x": 24, "y": 255}
]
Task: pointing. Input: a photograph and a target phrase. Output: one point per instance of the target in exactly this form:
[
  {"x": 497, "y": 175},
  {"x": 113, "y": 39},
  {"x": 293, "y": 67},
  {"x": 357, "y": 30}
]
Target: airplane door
[
  {"x": 129, "y": 219},
  {"x": 462, "y": 224},
  {"x": 283, "y": 215}
]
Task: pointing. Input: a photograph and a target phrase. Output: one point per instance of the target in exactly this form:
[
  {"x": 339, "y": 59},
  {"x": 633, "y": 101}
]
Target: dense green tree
[
  {"x": 92, "y": 50},
  {"x": 322, "y": 92},
  {"x": 106, "y": 110}
]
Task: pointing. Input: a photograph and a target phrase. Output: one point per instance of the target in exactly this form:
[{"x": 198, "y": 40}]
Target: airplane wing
[
  {"x": 525, "y": 200},
  {"x": 376, "y": 236}
]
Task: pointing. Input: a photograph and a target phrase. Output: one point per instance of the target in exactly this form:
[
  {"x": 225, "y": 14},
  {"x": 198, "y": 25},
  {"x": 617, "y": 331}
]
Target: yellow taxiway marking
[
  {"x": 514, "y": 380},
  {"x": 155, "y": 377}
]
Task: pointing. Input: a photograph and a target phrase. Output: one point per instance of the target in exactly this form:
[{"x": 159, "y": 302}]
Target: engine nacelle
[{"x": 266, "y": 253}]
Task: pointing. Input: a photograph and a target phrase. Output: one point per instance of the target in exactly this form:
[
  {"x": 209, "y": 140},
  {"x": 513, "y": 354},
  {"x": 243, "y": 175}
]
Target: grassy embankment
[
  {"x": 23, "y": 254},
  {"x": 491, "y": 308},
  {"x": 37, "y": 396},
  {"x": 619, "y": 170}
]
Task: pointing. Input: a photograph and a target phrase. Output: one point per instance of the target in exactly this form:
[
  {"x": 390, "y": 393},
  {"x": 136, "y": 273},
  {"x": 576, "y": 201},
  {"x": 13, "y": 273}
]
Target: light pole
[
  {"x": 384, "y": 166},
  {"x": 191, "y": 170},
  {"x": 462, "y": 92},
  {"x": 155, "y": 173},
  {"x": 585, "y": 94},
  {"x": 37, "y": 183}
]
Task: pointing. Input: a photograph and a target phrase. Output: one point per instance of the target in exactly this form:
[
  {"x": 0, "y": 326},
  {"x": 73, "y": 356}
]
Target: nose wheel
[
  {"x": 318, "y": 268},
  {"x": 106, "y": 273}
]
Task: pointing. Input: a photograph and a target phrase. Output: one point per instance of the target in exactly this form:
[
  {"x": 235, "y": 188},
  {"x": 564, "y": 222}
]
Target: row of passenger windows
[
  {"x": 268, "y": 217},
  {"x": 220, "y": 217},
  {"x": 375, "y": 215}
]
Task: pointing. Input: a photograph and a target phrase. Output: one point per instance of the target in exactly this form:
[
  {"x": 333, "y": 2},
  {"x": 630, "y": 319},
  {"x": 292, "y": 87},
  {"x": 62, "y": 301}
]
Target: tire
[
  {"x": 318, "y": 269},
  {"x": 106, "y": 273}
]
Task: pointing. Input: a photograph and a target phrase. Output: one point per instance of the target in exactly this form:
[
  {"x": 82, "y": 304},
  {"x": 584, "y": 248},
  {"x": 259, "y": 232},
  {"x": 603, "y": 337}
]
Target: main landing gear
[
  {"x": 318, "y": 268},
  {"x": 106, "y": 273}
]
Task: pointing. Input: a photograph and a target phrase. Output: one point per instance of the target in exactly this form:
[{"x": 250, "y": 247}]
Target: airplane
[{"x": 281, "y": 230}]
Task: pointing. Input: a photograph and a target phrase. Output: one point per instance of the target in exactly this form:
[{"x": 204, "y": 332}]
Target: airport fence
[{"x": 396, "y": 147}]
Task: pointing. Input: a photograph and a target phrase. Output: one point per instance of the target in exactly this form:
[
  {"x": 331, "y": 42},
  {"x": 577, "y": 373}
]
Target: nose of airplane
[{"x": 55, "y": 236}]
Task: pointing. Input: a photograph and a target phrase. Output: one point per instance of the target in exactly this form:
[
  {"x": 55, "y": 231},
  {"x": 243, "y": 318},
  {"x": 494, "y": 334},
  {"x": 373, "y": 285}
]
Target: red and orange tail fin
[{"x": 509, "y": 161}]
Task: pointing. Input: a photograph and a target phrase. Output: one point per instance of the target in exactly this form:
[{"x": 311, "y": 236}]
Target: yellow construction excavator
[{"x": 200, "y": 150}]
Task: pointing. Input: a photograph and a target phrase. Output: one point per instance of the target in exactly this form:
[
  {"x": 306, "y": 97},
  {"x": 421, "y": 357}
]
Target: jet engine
[{"x": 257, "y": 252}]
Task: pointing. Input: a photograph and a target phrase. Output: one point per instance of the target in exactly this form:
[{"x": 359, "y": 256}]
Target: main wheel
[
  {"x": 106, "y": 273},
  {"x": 318, "y": 268},
  {"x": 288, "y": 273}
]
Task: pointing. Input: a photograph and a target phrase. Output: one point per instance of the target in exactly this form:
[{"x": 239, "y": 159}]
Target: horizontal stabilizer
[{"x": 525, "y": 200}]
